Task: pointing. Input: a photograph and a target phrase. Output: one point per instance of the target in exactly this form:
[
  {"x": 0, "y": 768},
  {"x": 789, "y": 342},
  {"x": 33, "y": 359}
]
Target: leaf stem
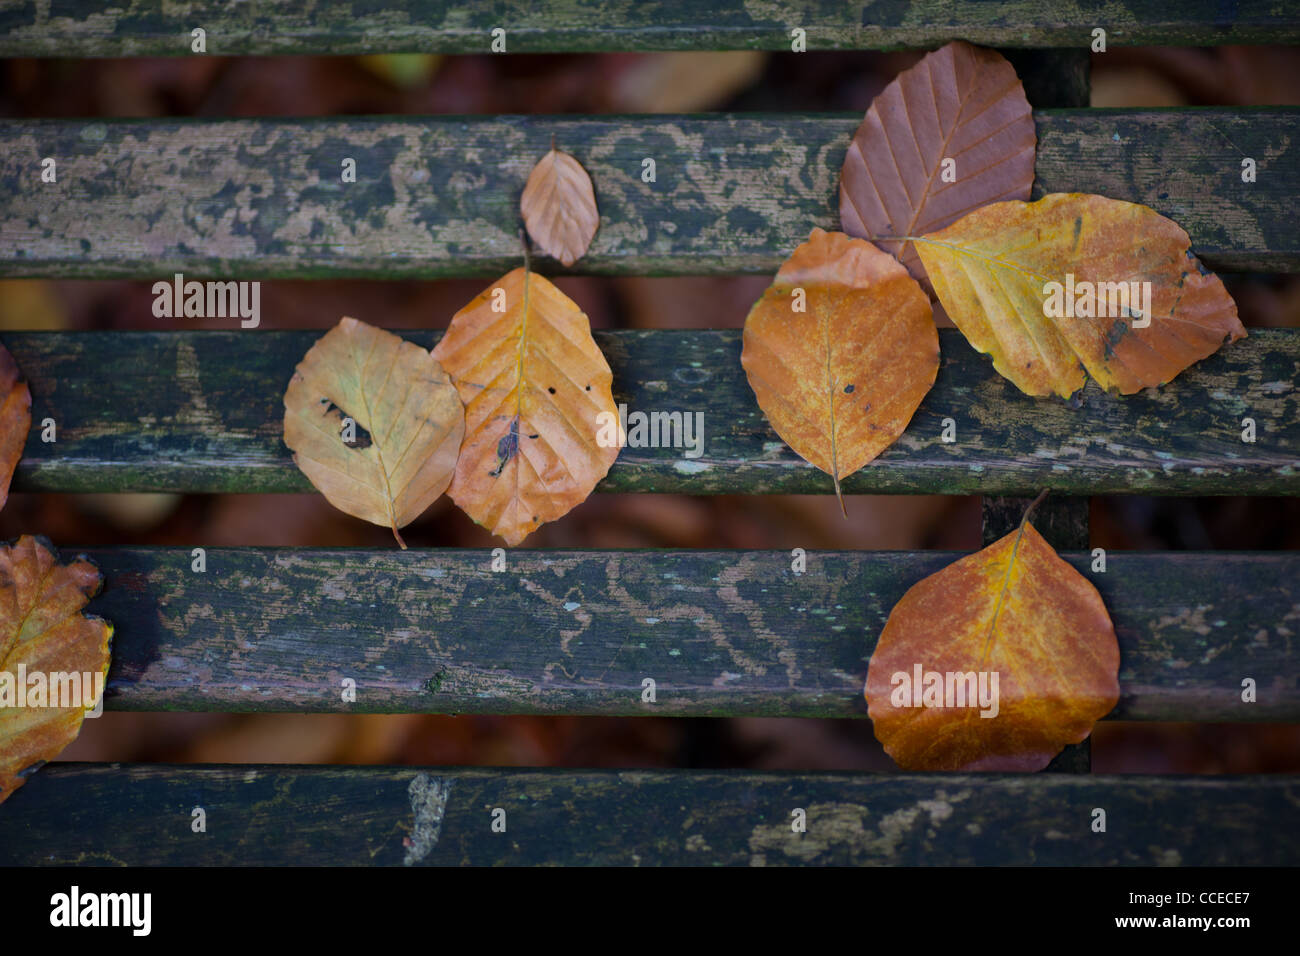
[{"x": 1032, "y": 505}]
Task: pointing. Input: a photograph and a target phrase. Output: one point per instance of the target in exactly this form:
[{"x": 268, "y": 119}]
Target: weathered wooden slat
[
  {"x": 721, "y": 633},
  {"x": 145, "y": 27},
  {"x": 140, "y": 815},
  {"x": 203, "y": 412},
  {"x": 439, "y": 196}
]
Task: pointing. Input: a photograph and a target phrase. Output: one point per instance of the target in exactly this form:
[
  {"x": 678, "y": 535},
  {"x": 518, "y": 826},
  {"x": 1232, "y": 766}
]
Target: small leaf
[
  {"x": 42, "y": 631},
  {"x": 538, "y": 404},
  {"x": 992, "y": 268},
  {"x": 15, "y": 420},
  {"x": 962, "y": 104},
  {"x": 406, "y": 424},
  {"x": 1017, "y": 610},
  {"x": 840, "y": 380},
  {"x": 559, "y": 207}
]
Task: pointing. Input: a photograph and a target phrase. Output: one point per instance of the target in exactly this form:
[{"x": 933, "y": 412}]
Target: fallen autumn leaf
[
  {"x": 1140, "y": 307},
  {"x": 559, "y": 207},
  {"x": 996, "y": 662},
  {"x": 15, "y": 420},
  {"x": 374, "y": 423},
  {"x": 55, "y": 648},
  {"x": 839, "y": 351},
  {"x": 535, "y": 385},
  {"x": 952, "y": 133}
]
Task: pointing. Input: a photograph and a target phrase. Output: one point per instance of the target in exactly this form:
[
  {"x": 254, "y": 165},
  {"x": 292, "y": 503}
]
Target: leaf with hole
[
  {"x": 952, "y": 133},
  {"x": 1076, "y": 285},
  {"x": 374, "y": 423},
  {"x": 15, "y": 420},
  {"x": 839, "y": 351},
  {"x": 559, "y": 207},
  {"x": 996, "y": 662},
  {"x": 541, "y": 426},
  {"x": 53, "y": 658}
]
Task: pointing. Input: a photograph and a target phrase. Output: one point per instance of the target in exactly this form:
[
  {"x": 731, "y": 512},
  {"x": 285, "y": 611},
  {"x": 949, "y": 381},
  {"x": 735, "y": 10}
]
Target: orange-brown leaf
[
  {"x": 962, "y": 103},
  {"x": 559, "y": 207},
  {"x": 537, "y": 394},
  {"x": 1014, "y": 609},
  {"x": 15, "y": 420},
  {"x": 992, "y": 271},
  {"x": 407, "y": 424},
  {"x": 43, "y": 632},
  {"x": 840, "y": 381}
]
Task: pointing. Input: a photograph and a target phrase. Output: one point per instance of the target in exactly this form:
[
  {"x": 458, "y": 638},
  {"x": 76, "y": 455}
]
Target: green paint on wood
[
  {"x": 575, "y": 632},
  {"x": 144, "y": 27},
  {"x": 203, "y": 412},
  {"x": 439, "y": 196},
  {"x": 99, "y": 815}
]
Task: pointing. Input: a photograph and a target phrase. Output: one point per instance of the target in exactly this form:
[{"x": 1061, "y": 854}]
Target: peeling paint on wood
[
  {"x": 722, "y": 633},
  {"x": 146, "y": 28},
  {"x": 428, "y": 806},
  {"x": 439, "y": 196},
  {"x": 95, "y": 815},
  {"x": 203, "y": 412}
]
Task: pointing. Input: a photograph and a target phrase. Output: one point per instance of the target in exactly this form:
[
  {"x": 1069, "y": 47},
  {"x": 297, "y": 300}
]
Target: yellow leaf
[
  {"x": 1131, "y": 306},
  {"x": 541, "y": 426},
  {"x": 839, "y": 351},
  {"x": 43, "y": 632},
  {"x": 559, "y": 207},
  {"x": 997, "y": 662},
  {"x": 375, "y": 424},
  {"x": 15, "y": 420}
]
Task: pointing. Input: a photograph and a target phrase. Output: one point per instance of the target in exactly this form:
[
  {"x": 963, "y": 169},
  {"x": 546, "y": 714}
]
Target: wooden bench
[{"x": 721, "y": 633}]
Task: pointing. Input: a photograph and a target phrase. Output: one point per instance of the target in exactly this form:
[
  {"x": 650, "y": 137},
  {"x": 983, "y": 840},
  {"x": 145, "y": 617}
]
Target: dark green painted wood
[
  {"x": 203, "y": 412},
  {"x": 721, "y": 633},
  {"x": 439, "y": 196},
  {"x": 139, "y": 815},
  {"x": 1063, "y": 522},
  {"x": 144, "y": 27}
]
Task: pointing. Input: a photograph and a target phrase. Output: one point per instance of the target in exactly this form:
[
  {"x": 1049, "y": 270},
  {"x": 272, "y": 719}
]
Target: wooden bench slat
[
  {"x": 146, "y": 28},
  {"x": 438, "y": 196},
  {"x": 111, "y": 815},
  {"x": 722, "y": 633},
  {"x": 203, "y": 412}
]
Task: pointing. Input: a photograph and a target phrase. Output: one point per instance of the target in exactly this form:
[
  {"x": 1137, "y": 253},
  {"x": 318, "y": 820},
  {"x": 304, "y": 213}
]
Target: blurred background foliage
[{"x": 665, "y": 82}]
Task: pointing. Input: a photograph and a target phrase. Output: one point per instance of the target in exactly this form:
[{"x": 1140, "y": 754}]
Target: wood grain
[
  {"x": 202, "y": 412},
  {"x": 439, "y": 196},
  {"x": 135, "y": 815},
  {"x": 722, "y": 633},
  {"x": 144, "y": 27}
]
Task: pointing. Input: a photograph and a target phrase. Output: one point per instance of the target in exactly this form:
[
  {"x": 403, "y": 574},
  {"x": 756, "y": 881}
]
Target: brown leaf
[
  {"x": 535, "y": 387},
  {"x": 840, "y": 381},
  {"x": 993, "y": 272},
  {"x": 559, "y": 207},
  {"x": 15, "y": 420},
  {"x": 407, "y": 424},
  {"x": 47, "y": 648},
  {"x": 960, "y": 102},
  {"x": 1014, "y": 613}
]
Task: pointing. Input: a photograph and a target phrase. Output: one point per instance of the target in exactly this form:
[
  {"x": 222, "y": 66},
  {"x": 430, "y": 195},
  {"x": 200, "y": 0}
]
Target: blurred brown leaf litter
[{"x": 667, "y": 82}]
